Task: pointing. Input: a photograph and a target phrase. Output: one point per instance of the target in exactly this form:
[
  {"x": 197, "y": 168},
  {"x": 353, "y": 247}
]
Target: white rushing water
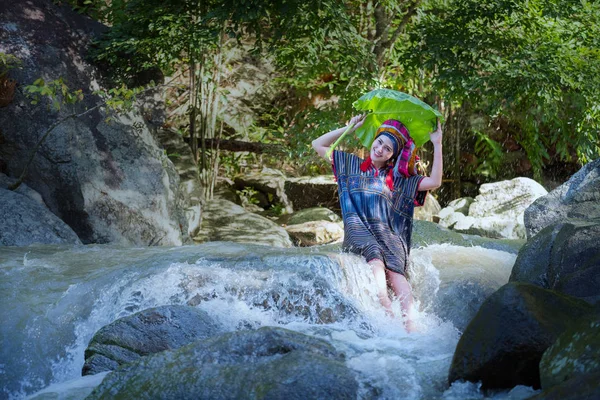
[{"x": 56, "y": 299}]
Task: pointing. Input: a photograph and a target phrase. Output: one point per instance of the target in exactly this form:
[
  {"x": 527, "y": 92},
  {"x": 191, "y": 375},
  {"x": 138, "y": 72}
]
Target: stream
[{"x": 54, "y": 298}]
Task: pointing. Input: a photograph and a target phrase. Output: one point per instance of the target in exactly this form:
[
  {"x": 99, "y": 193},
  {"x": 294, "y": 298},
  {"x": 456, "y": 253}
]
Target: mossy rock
[
  {"x": 269, "y": 363},
  {"x": 575, "y": 352},
  {"x": 502, "y": 346}
]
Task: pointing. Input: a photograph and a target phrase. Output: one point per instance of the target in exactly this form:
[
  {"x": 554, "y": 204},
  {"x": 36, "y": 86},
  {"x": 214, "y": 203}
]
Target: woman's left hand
[{"x": 436, "y": 136}]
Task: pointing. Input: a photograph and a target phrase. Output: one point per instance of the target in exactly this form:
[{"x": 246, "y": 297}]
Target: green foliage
[
  {"x": 56, "y": 91},
  {"x": 248, "y": 195},
  {"x": 491, "y": 153},
  {"x": 535, "y": 63},
  {"x": 121, "y": 99},
  {"x": 8, "y": 62}
]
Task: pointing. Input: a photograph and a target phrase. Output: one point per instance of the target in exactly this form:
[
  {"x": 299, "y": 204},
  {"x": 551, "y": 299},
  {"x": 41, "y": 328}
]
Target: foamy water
[{"x": 59, "y": 297}]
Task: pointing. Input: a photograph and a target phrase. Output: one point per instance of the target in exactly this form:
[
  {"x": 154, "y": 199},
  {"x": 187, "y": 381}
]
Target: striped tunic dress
[{"x": 377, "y": 221}]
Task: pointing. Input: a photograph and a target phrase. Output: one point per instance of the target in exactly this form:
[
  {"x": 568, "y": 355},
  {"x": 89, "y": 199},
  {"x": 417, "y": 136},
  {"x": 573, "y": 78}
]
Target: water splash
[{"x": 66, "y": 295}]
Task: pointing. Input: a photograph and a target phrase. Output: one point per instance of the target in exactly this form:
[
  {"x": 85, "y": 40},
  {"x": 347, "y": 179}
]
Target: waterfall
[{"x": 55, "y": 298}]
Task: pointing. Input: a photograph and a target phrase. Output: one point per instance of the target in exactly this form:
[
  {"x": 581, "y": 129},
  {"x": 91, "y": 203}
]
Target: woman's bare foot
[{"x": 410, "y": 326}]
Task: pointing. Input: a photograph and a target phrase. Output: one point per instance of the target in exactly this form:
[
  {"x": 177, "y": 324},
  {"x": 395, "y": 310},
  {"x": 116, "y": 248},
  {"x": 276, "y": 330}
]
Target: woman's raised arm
[
  {"x": 322, "y": 143},
  {"x": 435, "y": 180}
]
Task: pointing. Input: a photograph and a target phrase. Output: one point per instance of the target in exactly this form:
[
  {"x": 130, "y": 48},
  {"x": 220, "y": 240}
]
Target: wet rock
[
  {"x": 308, "y": 192},
  {"x": 426, "y": 233},
  {"x": 459, "y": 300},
  {"x": 315, "y": 233},
  {"x": 576, "y": 352},
  {"x": 578, "y": 198},
  {"x": 270, "y": 363},
  {"x": 147, "y": 332},
  {"x": 563, "y": 257},
  {"x": 107, "y": 179},
  {"x": 502, "y": 346},
  {"x": 226, "y": 221},
  {"x": 581, "y": 387},
  {"x": 24, "y": 221}
]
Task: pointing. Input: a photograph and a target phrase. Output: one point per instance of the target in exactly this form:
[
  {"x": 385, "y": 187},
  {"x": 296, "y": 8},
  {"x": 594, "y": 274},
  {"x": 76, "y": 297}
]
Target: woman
[{"x": 377, "y": 197}]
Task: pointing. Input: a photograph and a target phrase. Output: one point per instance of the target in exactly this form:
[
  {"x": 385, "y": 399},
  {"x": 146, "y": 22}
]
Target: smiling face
[{"x": 382, "y": 150}]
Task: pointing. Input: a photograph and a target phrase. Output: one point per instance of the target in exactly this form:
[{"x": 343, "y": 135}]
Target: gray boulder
[
  {"x": 497, "y": 211},
  {"x": 23, "y": 221},
  {"x": 226, "y": 221},
  {"x": 309, "y": 215},
  {"x": 578, "y": 198},
  {"x": 107, "y": 179},
  {"x": 581, "y": 387},
  {"x": 502, "y": 346},
  {"x": 318, "y": 191},
  {"x": 576, "y": 352},
  {"x": 314, "y": 233},
  {"x": 429, "y": 210},
  {"x": 426, "y": 233},
  {"x": 563, "y": 257},
  {"x": 190, "y": 187},
  {"x": 269, "y": 363},
  {"x": 147, "y": 332},
  {"x": 269, "y": 187}
]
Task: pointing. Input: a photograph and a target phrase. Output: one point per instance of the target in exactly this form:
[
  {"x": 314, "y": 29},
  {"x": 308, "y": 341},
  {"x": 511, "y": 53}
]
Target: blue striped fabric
[{"x": 377, "y": 221}]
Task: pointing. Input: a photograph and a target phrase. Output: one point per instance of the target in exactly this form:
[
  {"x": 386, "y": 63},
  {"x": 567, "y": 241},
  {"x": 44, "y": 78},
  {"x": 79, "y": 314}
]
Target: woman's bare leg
[
  {"x": 381, "y": 282},
  {"x": 403, "y": 291}
]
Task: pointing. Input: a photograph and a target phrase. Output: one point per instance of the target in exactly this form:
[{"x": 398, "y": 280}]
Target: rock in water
[
  {"x": 563, "y": 257},
  {"x": 269, "y": 363},
  {"x": 24, "y": 221},
  {"x": 144, "y": 333},
  {"x": 228, "y": 222},
  {"x": 578, "y": 198},
  {"x": 502, "y": 346},
  {"x": 576, "y": 352}
]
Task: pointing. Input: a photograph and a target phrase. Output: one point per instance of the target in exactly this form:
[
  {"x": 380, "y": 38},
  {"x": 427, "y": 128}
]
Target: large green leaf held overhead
[{"x": 382, "y": 104}]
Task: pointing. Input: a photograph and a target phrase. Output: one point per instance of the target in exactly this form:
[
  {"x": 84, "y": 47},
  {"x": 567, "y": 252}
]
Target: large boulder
[
  {"x": 581, "y": 387},
  {"x": 563, "y": 257},
  {"x": 309, "y": 215},
  {"x": 24, "y": 221},
  {"x": 271, "y": 363},
  {"x": 102, "y": 174},
  {"x": 576, "y": 352},
  {"x": 429, "y": 210},
  {"x": 426, "y": 233},
  {"x": 578, "y": 198},
  {"x": 314, "y": 233},
  {"x": 226, "y": 221},
  {"x": 144, "y": 333},
  {"x": 190, "y": 187},
  {"x": 318, "y": 191},
  {"x": 502, "y": 346},
  {"x": 497, "y": 211},
  {"x": 269, "y": 187}
]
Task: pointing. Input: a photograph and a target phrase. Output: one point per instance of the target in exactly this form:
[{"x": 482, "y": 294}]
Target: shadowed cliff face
[{"x": 107, "y": 179}]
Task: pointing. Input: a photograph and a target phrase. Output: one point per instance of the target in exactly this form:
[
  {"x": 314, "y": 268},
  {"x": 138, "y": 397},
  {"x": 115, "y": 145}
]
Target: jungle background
[{"x": 251, "y": 83}]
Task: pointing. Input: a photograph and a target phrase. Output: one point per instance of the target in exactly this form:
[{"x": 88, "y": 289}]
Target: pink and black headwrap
[{"x": 404, "y": 157}]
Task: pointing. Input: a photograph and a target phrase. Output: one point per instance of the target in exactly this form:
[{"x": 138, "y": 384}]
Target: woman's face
[{"x": 382, "y": 149}]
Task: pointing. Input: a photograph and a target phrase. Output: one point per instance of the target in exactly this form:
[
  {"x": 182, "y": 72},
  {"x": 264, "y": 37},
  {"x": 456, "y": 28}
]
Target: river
[{"x": 54, "y": 298}]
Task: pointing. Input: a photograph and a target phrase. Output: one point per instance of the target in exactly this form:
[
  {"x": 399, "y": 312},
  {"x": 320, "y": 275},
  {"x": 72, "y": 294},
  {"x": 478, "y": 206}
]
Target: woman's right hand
[{"x": 357, "y": 121}]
